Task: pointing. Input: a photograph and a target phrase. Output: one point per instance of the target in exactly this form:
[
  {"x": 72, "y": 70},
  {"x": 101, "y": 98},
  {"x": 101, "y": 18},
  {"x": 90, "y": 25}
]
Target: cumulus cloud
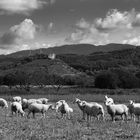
[
  {"x": 116, "y": 19},
  {"x": 110, "y": 29},
  {"x": 22, "y": 6},
  {"x": 26, "y": 30},
  {"x": 86, "y": 32},
  {"x": 133, "y": 41}
]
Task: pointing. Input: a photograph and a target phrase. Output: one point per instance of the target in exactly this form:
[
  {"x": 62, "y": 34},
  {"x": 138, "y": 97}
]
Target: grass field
[{"x": 54, "y": 128}]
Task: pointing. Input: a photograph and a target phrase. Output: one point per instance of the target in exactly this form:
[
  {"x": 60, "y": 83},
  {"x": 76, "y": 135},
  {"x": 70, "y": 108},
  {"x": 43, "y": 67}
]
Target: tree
[
  {"x": 106, "y": 79},
  {"x": 126, "y": 79},
  {"x": 23, "y": 80},
  {"x": 9, "y": 80}
]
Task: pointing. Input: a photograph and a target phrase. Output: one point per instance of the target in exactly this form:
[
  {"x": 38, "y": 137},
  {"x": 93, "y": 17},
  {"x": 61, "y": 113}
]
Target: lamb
[
  {"x": 79, "y": 103},
  {"x": 134, "y": 109},
  {"x": 38, "y": 108},
  {"x": 17, "y": 99},
  {"x": 3, "y": 103},
  {"x": 116, "y": 109},
  {"x": 64, "y": 108},
  {"x": 17, "y": 108},
  {"x": 93, "y": 109}
]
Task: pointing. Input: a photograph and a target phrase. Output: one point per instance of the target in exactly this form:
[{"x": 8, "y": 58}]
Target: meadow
[{"x": 54, "y": 128}]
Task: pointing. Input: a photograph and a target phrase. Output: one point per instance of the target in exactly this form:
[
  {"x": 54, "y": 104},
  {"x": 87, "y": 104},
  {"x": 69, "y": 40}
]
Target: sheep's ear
[{"x": 106, "y": 97}]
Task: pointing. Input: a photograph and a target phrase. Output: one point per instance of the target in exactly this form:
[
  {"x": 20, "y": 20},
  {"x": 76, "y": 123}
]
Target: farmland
[{"x": 54, "y": 128}]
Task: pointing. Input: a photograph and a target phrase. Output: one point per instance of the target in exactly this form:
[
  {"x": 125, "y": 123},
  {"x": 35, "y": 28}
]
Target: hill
[
  {"x": 36, "y": 63},
  {"x": 128, "y": 59},
  {"x": 80, "y": 49}
]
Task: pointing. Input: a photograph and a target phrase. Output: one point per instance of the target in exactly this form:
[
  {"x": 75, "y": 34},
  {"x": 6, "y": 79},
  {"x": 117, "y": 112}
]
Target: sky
[{"x": 33, "y": 24}]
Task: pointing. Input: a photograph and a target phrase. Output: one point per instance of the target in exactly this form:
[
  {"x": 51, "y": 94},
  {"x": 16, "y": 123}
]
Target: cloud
[
  {"x": 133, "y": 41},
  {"x": 116, "y": 20},
  {"x": 26, "y": 30},
  {"x": 86, "y": 32},
  {"x": 22, "y": 6},
  {"x": 110, "y": 29}
]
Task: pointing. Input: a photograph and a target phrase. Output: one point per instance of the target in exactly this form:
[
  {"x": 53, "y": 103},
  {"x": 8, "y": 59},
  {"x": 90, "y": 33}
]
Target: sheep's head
[
  {"x": 131, "y": 102},
  {"x": 22, "y": 113},
  {"x": 59, "y": 103},
  {"x": 83, "y": 104},
  {"x": 77, "y": 100},
  {"x": 109, "y": 101}
]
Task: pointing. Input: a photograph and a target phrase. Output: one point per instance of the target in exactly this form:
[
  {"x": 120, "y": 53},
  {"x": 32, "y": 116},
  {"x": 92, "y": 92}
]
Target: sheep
[
  {"x": 26, "y": 103},
  {"x": 131, "y": 109},
  {"x": 64, "y": 108},
  {"x": 17, "y": 99},
  {"x": 17, "y": 108},
  {"x": 93, "y": 109},
  {"x": 134, "y": 109},
  {"x": 116, "y": 109},
  {"x": 38, "y": 108},
  {"x": 79, "y": 103},
  {"x": 3, "y": 103}
]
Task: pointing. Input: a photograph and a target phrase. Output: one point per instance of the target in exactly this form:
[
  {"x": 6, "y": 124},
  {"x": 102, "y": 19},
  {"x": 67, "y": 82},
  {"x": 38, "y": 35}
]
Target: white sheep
[
  {"x": 116, "y": 109},
  {"x": 134, "y": 109},
  {"x": 64, "y": 108},
  {"x": 26, "y": 103},
  {"x": 16, "y": 108},
  {"x": 3, "y": 103},
  {"x": 79, "y": 103},
  {"x": 38, "y": 108},
  {"x": 17, "y": 99},
  {"x": 93, "y": 109}
]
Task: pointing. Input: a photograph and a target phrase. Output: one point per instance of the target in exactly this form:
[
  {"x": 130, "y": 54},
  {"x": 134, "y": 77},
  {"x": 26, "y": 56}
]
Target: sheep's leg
[
  {"x": 138, "y": 117},
  {"x": 97, "y": 117},
  {"x": 84, "y": 114},
  {"x": 103, "y": 118},
  {"x": 126, "y": 116},
  {"x": 62, "y": 115},
  {"x": 68, "y": 115},
  {"x": 88, "y": 118},
  {"x": 43, "y": 115},
  {"x": 28, "y": 114},
  {"x": 33, "y": 114},
  {"x": 134, "y": 118},
  {"x": 122, "y": 117},
  {"x": 113, "y": 119}
]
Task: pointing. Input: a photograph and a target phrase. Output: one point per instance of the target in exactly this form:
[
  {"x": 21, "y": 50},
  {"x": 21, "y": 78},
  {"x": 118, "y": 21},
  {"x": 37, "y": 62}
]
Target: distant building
[{"x": 52, "y": 56}]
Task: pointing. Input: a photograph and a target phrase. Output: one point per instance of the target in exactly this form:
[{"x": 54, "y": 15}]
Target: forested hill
[
  {"x": 79, "y": 49},
  {"x": 74, "y": 69},
  {"x": 128, "y": 59}
]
